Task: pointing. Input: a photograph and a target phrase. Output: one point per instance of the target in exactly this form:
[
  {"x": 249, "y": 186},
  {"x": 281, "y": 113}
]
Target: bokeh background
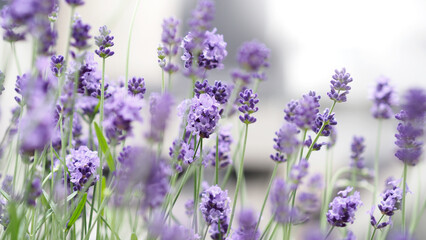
[{"x": 308, "y": 40}]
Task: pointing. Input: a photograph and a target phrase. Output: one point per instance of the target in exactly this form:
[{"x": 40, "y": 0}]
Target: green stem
[
  {"x": 234, "y": 156},
  {"x": 418, "y": 213},
  {"x": 67, "y": 51},
  {"x": 216, "y": 172},
  {"x": 376, "y": 161},
  {"x": 239, "y": 177},
  {"x": 274, "y": 231},
  {"x": 404, "y": 190},
  {"x": 329, "y": 232},
  {"x": 163, "y": 84},
  {"x": 302, "y": 147},
  {"x": 205, "y": 233},
  {"x": 268, "y": 226},
  {"x": 198, "y": 185},
  {"x": 375, "y": 227},
  {"x": 274, "y": 173},
  {"x": 101, "y": 117},
  {"x": 129, "y": 42},
  {"x": 18, "y": 66}
]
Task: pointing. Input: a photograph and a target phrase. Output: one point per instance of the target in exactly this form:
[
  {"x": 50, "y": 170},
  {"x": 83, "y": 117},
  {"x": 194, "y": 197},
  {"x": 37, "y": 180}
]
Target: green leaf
[
  {"x": 104, "y": 147},
  {"x": 77, "y": 211},
  {"x": 134, "y": 237}
]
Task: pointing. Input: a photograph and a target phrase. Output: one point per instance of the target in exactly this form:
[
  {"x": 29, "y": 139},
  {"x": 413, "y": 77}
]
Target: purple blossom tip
[
  {"x": 339, "y": 85},
  {"x": 248, "y": 101}
]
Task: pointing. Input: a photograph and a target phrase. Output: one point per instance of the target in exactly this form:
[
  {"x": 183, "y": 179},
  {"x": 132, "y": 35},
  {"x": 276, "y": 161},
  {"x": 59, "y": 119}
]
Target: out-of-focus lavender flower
[
  {"x": 247, "y": 226},
  {"x": 253, "y": 56},
  {"x": 53, "y": 16},
  {"x": 169, "y": 36},
  {"x": 215, "y": 207},
  {"x": 159, "y": 106},
  {"x": 82, "y": 164},
  {"x": 202, "y": 16},
  {"x": 10, "y": 26},
  {"x": 56, "y": 64},
  {"x": 332, "y": 138},
  {"x": 285, "y": 142},
  {"x": 214, "y": 51},
  {"x": 357, "y": 148},
  {"x": 104, "y": 42},
  {"x": 75, "y": 3},
  {"x": 178, "y": 232},
  {"x": 329, "y": 122},
  {"x": 384, "y": 97},
  {"x": 410, "y": 129},
  {"x": 142, "y": 170},
  {"x": 308, "y": 202},
  {"x": 80, "y": 34},
  {"x": 120, "y": 111},
  {"x": 33, "y": 191},
  {"x": 189, "y": 207},
  {"x": 220, "y": 91},
  {"x": 6, "y": 185},
  {"x": 279, "y": 197},
  {"x": 350, "y": 236},
  {"x": 248, "y": 101},
  {"x": 46, "y": 36},
  {"x": 240, "y": 76},
  {"x": 342, "y": 208},
  {"x": 224, "y": 149},
  {"x": 317, "y": 146},
  {"x": 339, "y": 85},
  {"x": 203, "y": 115},
  {"x": 304, "y": 111},
  {"x": 297, "y": 172},
  {"x": 2, "y": 77},
  {"x": 136, "y": 87}
]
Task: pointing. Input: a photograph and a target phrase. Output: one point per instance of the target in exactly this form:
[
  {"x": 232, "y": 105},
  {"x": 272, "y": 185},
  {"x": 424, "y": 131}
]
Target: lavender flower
[
  {"x": 104, "y": 42},
  {"x": 384, "y": 98},
  {"x": 178, "y": 232},
  {"x": 33, "y": 191},
  {"x": 329, "y": 122},
  {"x": 189, "y": 207},
  {"x": 169, "y": 36},
  {"x": 159, "y": 107},
  {"x": 202, "y": 16},
  {"x": 57, "y": 65},
  {"x": 215, "y": 207},
  {"x": 214, "y": 51},
  {"x": 136, "y": 87},
  {"x": 298, "y": 171},
  {"x": 357, "y": 149},
  {"x": 391, "y": 199},
  {"x": 279, "y": 201},
  {"x": 285, "y": 142},
  {"x": 412, "y": 117},
  {"x": 82, "y": 164},
  {"x": 10, "y": 25},
  {"x": 248, "y": 101},
  {"x": 342, "y": 208},
  {"x": 203, "y": 115},
  {"x": 339, "y": 85},
  {"x": 80, "y": 34},
  {"x": 247, "y": 227},
  {"x": 304, "y": 112},
  {"x": 47, "y": 36},
  {"x": 333, "y": 138},
  {"x": 240, "y": 76},
  {"x": 75, "y": 3},
  {"x": 220, "y": 91},
  {"x": 224, "y": 149},
  {"x": 253, "y": 56}
]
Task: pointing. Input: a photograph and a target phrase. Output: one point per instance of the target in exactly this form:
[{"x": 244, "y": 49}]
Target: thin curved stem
[
  {"x": 132, "y": 23},
  {"x": 375, "y": 228},
  {"x": 404, "y": 191},
  {"x": 216, "y": 172}
]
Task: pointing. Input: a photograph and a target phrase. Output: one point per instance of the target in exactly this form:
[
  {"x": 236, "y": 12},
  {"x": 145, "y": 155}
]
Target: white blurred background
[{"x": 308, "y": 40}]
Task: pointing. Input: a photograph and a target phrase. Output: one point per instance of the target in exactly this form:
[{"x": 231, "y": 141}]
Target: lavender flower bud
[
  {"x": 80, "y": 34},
  {"x": 247, "y": 224},
  {"x": 339, "y": 85},
  {"x": 248, "y": 101},
  {"x": 343, "y": 208},
  {"x": 357, "y": 148},
  {"x": 136, "y": 87},
  {"x": 82, "y": 165},
  {"x": 253, "y": 56},
  {"x": 56, "y": 65},
  {"x": 384, "y": 98},
  {"x": 285, "y": 142},
  {"x": 104, "y": 42},
  {"x": 203, "y": 115}
]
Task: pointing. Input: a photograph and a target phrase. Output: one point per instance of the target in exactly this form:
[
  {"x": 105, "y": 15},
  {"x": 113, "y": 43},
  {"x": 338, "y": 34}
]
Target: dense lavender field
[{"x": 73, "y": 166}]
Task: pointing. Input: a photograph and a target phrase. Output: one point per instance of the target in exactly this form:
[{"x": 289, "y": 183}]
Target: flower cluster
[
  {"x": 82, "y": 165},
  {"x": 223, "y": 149},
  {"x": 215, "y": 207},
  {"x": 34, "y": 191},
  {"x": 286, "y": 142},
  {"x": 75, "y": 3},
  {"x": 104, "y": 42},
  {"x": 80, "y": 34},
  {"x": 247, "y": 229},
  {"x": 339, "y": 85},
  {"x": 57, "y": 65},
  {"x": 159, "y": 107},
  {"x": 220, "y": 91},
  {"x": 343, "y": 208},
  {"x": 325, "y": 119},
  {"x": 248, "y": 101},
  {"x": 303, "y": 112},
  {"x": 136, "y": 87},
  {"x": 253, "y": 56},
  {"x": 170, "y": 42},
  {"x": 203, "y": 115},
  {"x": 384, "y": 98},
  {"x": 357, "y": 149}
]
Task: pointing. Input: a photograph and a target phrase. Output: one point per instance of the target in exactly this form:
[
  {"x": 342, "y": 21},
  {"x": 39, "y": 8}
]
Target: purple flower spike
[
  {"x": 304, "y": 112},
  {"x": 82, "y": 165},
  {"x": 169, "y": 36},
  {"x": 384, "y": 98},
  {"x": 219, "y": 90},
  {"x": 339, "y": 85},
  {"x": 248, "y": 101},
  {"x": 391, "y": 199},
  {"x": 104, "y": 42},
  {"x": 298, "y": 171},
  {"x": 329, "y": 123},
  {"x": 159, "y": 107},
  {"x": 34, "y": 191},
  {"x": 357, "y": 149},
  {"x": 253, "y": 56},
  {"x": 410, "y": 129},
  {"x": 214, "y": 51},
  {"x": 75, "y": 2},
  {"x": 203, "y": 115},
  {"x": 343, "y": 208},
  {"x": 279, "y": 201},
  {"x": 285, "y": 142},
  {"x": 247, "y": 225},
  {"x": 202, "y": 16},
  {"x": 224, "y": 149},
  {"x": 215, "y": 207},
  {"x": 136, "y": 87},
  {"x": 80, "y": 34}
]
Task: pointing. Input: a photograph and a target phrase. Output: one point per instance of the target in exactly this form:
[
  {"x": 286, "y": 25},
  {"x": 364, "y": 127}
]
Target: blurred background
[{"x": 308, "y": 40}]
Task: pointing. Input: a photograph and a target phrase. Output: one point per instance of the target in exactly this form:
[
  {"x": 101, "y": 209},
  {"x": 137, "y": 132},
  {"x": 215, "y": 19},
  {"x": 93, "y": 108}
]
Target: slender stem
[
  {"x": 268, "y": 226},
  {"x": 419, "y": 212},
  {"x": 274, "y": 231},
  {"x": 101, "y": 117},
  {"x": 205, "y": 233},
  {"x": 18, "y": 66},
  {"x": 404, "y": 190},
  {"x": 376, "y": 161},
  {"x": 302, "y": 144},
  {"x": 216, "y": 172},
  {"x": 67, "y": 51},
  {"x": 234, "y": 156},
  {"x": 239, "y": 177},
  {"x": 375, "y": 227},
  {"x": 129, "y": 41},
  {"x": 274, "y": 173},
  {"x": 198, "y": 180},
  {"x": 185, "y": 178},
  {"x": 329, "y": 232}
]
